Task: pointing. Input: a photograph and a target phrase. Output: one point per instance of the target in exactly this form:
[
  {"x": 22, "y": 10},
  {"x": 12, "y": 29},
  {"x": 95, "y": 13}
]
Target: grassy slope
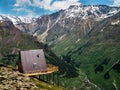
[
  {"x": 90, "y": 58},
  {"x": 96, "y": 53},
  {"x": 46, "y": 86},
  {"x": 66, "y": 44},
  {"x": 11, "y": 38},
  {"x": 100, "y": 51},
  {"x": 40, "y": 84}
]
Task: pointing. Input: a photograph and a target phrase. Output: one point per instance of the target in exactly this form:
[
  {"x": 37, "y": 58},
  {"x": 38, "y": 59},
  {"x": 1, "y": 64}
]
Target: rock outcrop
[{"x": 13, "y": 80}]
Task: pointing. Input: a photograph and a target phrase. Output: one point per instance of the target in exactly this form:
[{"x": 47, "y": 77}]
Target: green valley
[{"x": 96, "y": 54}]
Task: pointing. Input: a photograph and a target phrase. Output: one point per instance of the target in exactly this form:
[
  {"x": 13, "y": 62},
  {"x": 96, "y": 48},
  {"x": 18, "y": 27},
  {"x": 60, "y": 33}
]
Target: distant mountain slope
[
  {"x": 17, "y": 20},
  {"x": 76, "y": 19},
  {"x": 98, "y": 54},
  {"x": 69, "y": 25},
  {"x": 63, "y": 26},
  {"x": 13, "y": 40}
]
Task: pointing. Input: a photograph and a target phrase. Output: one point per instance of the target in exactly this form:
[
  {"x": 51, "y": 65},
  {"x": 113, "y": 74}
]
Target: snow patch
[
  {"x": 66, "y": 48},
  {"x": 115, "y": 22},
  {"x": 78, "y": 40},
  {"x": 89, "y": 11},
  {"x": 14, "y": 19},
  {"x": 50, "y": 43},
  {"x": 1, "y": 18},
  {"x": 35, "y": 34},
  {"x": 1, "y": 21},
  {"x": 17, "y": 20},
  {"x": 102, "y": 29},
  {"x": 27, "y": 19},
  {"x": 60, "y": 38}
]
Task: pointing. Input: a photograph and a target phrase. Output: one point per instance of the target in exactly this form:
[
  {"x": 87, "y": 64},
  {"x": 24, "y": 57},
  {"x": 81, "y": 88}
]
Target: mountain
[
  {"x": 66, "y": 25},
  {"x": 77, "y": 19},
  {"x": 70, "y": 25},
  {"x": 97, "y": 54},
  {"x": 17, "y": 20},
  {"x": 73, "y": 17}
]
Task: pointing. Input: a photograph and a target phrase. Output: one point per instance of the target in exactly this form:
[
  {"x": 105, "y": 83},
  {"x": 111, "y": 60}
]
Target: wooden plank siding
[
  {"x": 50, "y": 69},
  {"x": 32, "y": 62}
]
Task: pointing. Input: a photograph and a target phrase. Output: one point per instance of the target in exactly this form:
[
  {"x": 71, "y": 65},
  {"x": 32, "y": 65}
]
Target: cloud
[
  {"x": 116, "y": 3},
  {"x": 42, "y": 4},
  {"x": 47, "y": 4},
  {"x": 18, "y": 9},
  {"x": 63, "y": 4},
  {"x": 22, "y": 3},
  {"x": 51, "y": 5},
  {"x": 21, "y": 6},
  {"x": 29, "y": 13},
  {"x": 56, "y": 5}
]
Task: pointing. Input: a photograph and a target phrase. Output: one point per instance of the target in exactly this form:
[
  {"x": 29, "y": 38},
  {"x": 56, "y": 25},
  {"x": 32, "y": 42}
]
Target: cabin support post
[
  {"x": 43, "y": 76},
  {"x": 47, "y": 77},
  {"x": 53, "y": 78},
  {"x": 39, "y": 77},
  {"x": 57, "y": 80}
]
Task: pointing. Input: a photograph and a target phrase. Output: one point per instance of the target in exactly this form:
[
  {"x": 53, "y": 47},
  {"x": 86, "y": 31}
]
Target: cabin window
[
  {"x": 35, "y": 66},
  {"x": 38, "y": 55}
]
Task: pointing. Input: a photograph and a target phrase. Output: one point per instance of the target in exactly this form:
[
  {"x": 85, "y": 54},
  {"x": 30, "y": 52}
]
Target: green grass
[
  {"x": 42, "y": 85},
  {"x": 94, "y": 54},
  {"x": 46, "y": 86},
  {"x": 66, "y": 44},
  {"x": 87, "y": 54}
]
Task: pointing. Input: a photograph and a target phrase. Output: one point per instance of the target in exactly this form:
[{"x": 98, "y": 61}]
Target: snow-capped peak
[
  {"x": 27, "y": 19},
  {"x": 87, "y": 11},
  {"x": 3, "y": 18},
  {"x": 16, "y": 20}
]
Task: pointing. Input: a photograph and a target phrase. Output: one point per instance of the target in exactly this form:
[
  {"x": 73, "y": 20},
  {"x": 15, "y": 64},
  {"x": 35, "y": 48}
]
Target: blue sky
[{"x": 36, "y": 8}]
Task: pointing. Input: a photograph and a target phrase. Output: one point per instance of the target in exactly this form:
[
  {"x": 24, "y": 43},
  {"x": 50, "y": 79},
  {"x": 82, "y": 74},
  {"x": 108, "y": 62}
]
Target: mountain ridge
[
  {"x": 74, "y": 19},
  {"x": 16, "y": 19},
  {"x": 98, "y": 53}
]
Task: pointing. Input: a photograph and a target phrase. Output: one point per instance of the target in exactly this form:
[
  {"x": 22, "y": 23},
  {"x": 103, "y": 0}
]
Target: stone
[{"x": 13, "y": 80}]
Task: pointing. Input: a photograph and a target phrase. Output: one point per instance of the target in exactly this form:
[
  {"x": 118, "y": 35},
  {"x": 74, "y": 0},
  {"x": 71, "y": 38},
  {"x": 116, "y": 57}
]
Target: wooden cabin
[{"x": 32, "y": 62}]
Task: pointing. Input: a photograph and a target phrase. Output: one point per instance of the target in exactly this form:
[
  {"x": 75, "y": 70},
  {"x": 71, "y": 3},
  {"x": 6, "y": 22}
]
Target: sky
[{"x": 36, "y": 8}]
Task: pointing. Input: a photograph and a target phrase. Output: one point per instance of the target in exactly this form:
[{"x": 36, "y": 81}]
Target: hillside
[
  {"x": 64, "y": 30},
  {"x": 69, "y": 25},
  {"x": 13, "y": 40},
  {"x": 77, "y": 19},
  {"x": 11, "y": 79},
  {"x": 98, "y": 54}
]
